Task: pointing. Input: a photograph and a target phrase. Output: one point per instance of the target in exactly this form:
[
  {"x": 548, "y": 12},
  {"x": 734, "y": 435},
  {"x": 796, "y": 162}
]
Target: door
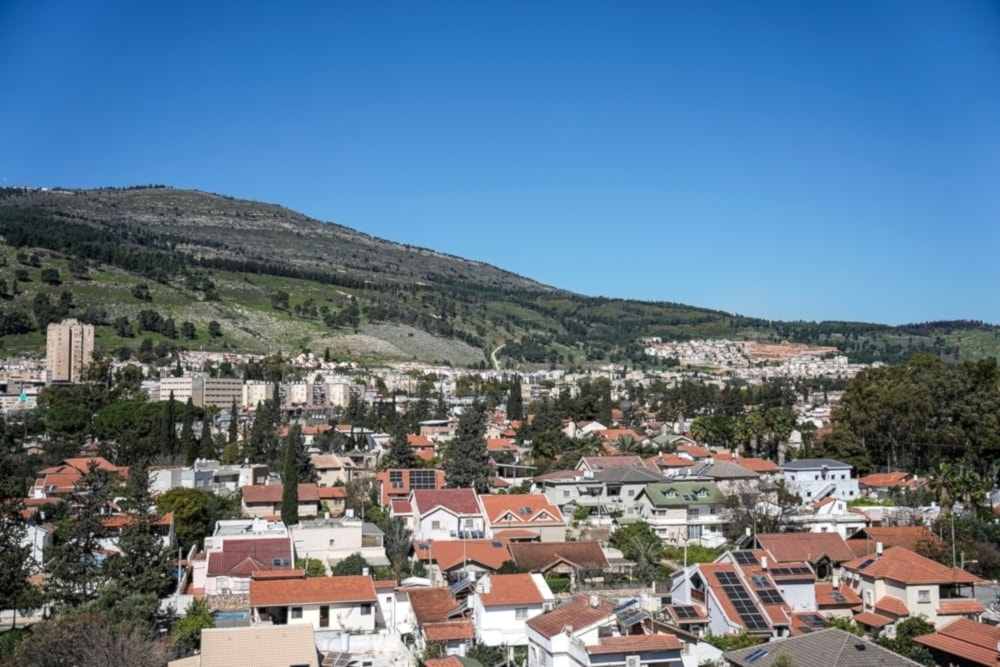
[{"x": 324, "y": 616}]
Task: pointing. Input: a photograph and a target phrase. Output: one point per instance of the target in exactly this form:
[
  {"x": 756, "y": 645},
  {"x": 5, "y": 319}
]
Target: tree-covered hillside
[{"x": 258, "y": 277}]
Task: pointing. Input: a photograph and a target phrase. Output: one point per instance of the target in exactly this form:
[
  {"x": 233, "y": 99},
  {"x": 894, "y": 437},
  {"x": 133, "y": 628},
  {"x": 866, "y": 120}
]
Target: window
[
  {"x": 565, "y": 493},
  {"x": 396, "y": 479},
  {"x": 924, "y": 595},
  {"x": 631, "y": 493},
  {"x": 521, "y": 613},
  {"x": 469, "y": 523},
  {"x": 366, "y": 609},
  {"x": 332, "y": 542},
  {"x": 295, "y": 612},
  {"x": 713, "y": 510},
  {"x": 692, "y": 512},
  {"x": 435, "y": 525},
  {"x": 693, "y": 532}
]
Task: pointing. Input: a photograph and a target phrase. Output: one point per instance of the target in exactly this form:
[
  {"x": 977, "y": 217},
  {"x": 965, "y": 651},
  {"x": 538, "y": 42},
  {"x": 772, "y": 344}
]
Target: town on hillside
[{"x": 750, "y": 505}]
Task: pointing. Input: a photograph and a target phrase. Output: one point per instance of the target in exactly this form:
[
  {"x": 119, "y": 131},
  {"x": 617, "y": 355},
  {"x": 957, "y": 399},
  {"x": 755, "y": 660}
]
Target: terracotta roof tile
[
  {"x": 960, "y": 606},
  {"x": 576, "y": 612},
  {"x": 431, "y": 605},
  {"x": 254, "y": 553},
  {"x": 542, "y": 556},
  {"x": 450, "y": 661},
  {"x": 824, "y": 596},
  {"x": 520, "y": 509},
  {"x": 357, "y": 588},
  {"x": 635, "y": 644},
  {"x": 810, "y": 547},
  {"x": 490, "y": 554},
  {"x": 913, "y": 538},
  {"x": 449, "y": 631},
  {"x": 872, "y": 620},
  {"x": 271, "y": 493},
  {"x": 966, "y": 639},
  {"x": 762, "y": 466},
  {"x": 459, "y": 501},
  {"x": 905, "y": 566},
  {"x": 888, "y": 604},
  {"x": 511, "y": 589}
]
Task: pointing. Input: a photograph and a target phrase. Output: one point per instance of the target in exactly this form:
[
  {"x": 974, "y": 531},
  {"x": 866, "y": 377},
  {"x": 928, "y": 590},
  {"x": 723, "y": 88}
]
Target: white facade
[
  {"x": 816, "y": 479},
  {"x": 504, "y": 625}
]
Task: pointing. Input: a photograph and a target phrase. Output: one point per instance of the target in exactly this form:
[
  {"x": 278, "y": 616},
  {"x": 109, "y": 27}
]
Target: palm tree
[{"x": 941, "y": 481}]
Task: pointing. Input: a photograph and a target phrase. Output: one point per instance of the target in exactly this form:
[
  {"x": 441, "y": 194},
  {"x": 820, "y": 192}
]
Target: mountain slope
[{"x": 276, "y": 280}]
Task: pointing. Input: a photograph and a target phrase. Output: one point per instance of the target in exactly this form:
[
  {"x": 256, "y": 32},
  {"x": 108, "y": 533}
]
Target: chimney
[
  {"x": 878, "y": 550},
  {"x": 594, "y": 601},
  {"x": 763, "y": 562},
  {"x": 487, "y": 585},
  {"x": 836, "y": 582},
  {"x": 364, "y": 571}
]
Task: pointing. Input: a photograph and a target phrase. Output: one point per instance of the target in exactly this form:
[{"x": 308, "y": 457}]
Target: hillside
[{"x": 275, "y": 280}]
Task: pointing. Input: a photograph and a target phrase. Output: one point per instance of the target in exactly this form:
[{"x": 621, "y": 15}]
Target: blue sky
[{"x": 787, "y": 160}]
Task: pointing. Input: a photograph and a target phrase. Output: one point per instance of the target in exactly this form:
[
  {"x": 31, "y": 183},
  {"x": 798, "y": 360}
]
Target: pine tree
[
  {"x": 75, "y": 574},
  {"x": 144, "y": 564},
  {"x": 467, "y": 461},
  {"x": 290, "y": 477}
]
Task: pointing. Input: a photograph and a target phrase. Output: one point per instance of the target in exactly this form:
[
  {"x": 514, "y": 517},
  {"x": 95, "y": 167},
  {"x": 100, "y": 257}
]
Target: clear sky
[{"x": 787, "y": 160}]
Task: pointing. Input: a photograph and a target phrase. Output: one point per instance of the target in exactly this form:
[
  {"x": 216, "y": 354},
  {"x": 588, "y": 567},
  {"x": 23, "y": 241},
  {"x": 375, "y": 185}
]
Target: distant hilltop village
[{"x": 749, "y": 360}]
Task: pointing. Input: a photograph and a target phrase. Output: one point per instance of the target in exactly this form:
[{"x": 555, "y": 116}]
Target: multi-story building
[
  {"x": 816, "y": 479},
  {"x": 202, "y": 390},
  {"x": 69, "y": 347}
]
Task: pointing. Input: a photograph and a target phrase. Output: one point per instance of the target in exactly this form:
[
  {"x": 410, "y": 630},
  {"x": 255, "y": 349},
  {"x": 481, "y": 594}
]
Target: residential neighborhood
[{"x": 350, "y": 530}]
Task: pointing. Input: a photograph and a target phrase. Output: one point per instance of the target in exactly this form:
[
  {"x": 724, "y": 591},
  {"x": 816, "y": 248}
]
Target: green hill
[{"x": 271, "y": 279}]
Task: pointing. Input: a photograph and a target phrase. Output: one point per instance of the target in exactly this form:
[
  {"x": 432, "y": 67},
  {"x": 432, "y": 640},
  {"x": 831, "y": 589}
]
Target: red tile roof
[
  {"x": 973, "y": 642},
  {"x": 824, "y": 596},
  {"x": 271, "y": 493},
  {"x": 872, "y": 620},
  {"x": 490, "y": 554},
  {"x": 332, "y": 492},
  {"x": 668, "y": 461},
  {"x": 458, "y": 501},
  {"x": 543, "y": 556},
  {"x": 905, "y": 566},
  {"x": 501, "y": 445},
  {"x": 635, "y": 644},
  {"x": 520, "y": 509},
  {"x": 960, "y": 606},
  {"x": 511, "y": 589},
  {"x": 355, "y": 588},
  {"x": 449, "y": 631},
  {"x": 243, "y": 556},
  {"x": 888, "y": 604},
  {"x": 450, "y": 661},
  {"x": 431, "y": 605},
  {"x": 885, "y": 480},
  {"x": 810, "y": 547},
  {"x": 576, "y": 612},
  {"x": 762, "y": 466}
]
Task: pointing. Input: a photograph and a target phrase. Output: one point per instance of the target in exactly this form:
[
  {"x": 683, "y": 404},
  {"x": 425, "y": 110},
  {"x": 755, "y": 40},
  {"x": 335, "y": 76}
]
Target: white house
[
  {"x": 333, "y": 540},
  {"x": 346, "y": 603},
  {"x": 816, "y": 479},
  {"x": 446, "y": 514},
  {"x": 503, "y": 603}
]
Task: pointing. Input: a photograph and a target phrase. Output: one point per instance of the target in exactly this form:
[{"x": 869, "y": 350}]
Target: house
[
  {"x": 523, "y": 517},
  {"x": 596, "y": 463},
  {"x": 964, "y": 643},
  {"x": 824, "y": 552},
  {"x": 263, "y": 500},
  {"x": 333, "y": 499},
  {"x": 879, "y": 486},
  {"x": 256, "y": 646},
  {"x": 236, "y": 550},
  {"x": 829, "y": 515},
  {"x": 898, "y": 583},
  {"x": 397, "y": 483},
  {"x": 669, "y": 465},
  {"x": 573, "y": 560},
  {"x": 436, "y": 615},
  {"x": 333, "y": 470},
  {"x": 603, "y": 490},
  {"x": 162, "y": 527},
  {"x": 682, "y": 511},
  {"x": 60, "y": 480},
  {"x": 831, "y": 647},
  {"x": 695, "y": 453},
  {"x": 731, "y": 478},
  {"x": 503, "y": 603},
  {"x": 451, "y": 560},
  {"x": 333, "y": 540},
  {"x": 422, "y": 447},
  {"x": 588, "y": 630},
  {"x": 816, "y": 479},
  {"x": 446, "y": 514},
  {"x": 346, "y": 603},
  {"x": 738, "y": 593}
]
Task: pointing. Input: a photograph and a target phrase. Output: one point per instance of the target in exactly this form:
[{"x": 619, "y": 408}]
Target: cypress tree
[
  {"x": 515, "y": 404},
  {"x": 188, "y": 443},
  {"x": 290, "y": 477},
  {"x": 234, "y": 423},
  {"x": 400, "y": 453},
  {"x": 206, "y": 448}
]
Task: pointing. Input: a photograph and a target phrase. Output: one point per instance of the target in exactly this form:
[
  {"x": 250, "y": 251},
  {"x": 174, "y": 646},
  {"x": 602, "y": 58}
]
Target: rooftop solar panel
[{"x": 745, "y": 557}]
